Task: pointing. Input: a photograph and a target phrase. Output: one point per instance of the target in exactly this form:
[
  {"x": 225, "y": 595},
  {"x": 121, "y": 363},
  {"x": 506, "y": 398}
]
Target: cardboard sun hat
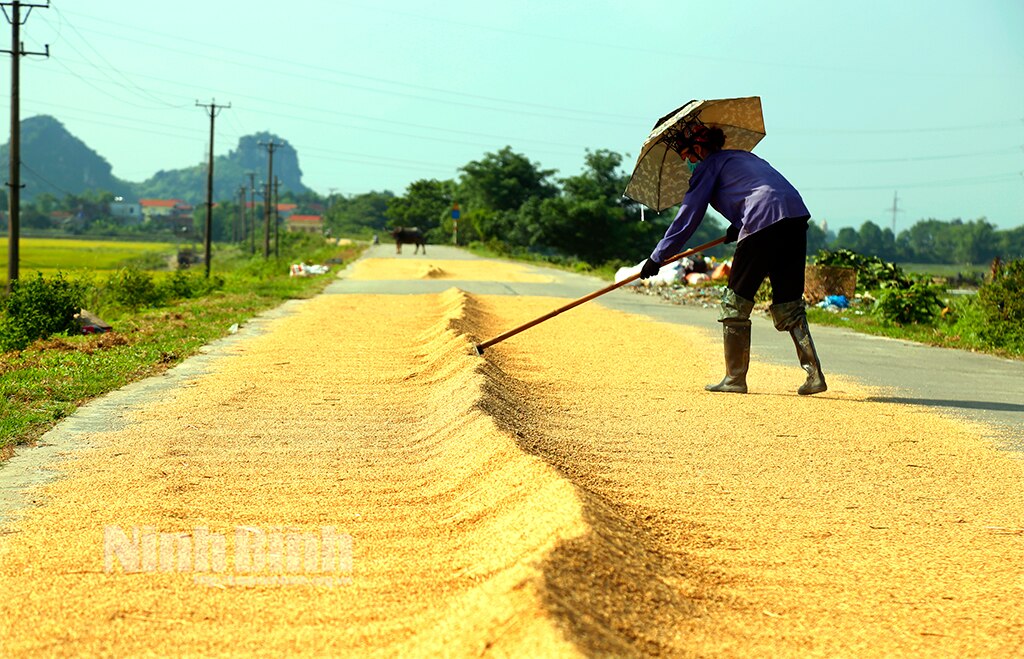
[{"x": 660, "y": 177}]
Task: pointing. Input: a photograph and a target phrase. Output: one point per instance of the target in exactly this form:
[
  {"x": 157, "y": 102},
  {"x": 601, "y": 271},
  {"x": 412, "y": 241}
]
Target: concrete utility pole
[
  {"x": 16, "y": 52},
  {"x": 271, "y": 145},
  {"x": 213, "y": 110},
  {"x": 240, "y": 228},
  {"x": 252, "y": 212},
  {"x": 277, "y": 213}
]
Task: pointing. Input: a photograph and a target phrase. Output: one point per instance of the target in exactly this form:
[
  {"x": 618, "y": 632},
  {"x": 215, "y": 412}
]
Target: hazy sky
[{"x": 924, "y": 98}]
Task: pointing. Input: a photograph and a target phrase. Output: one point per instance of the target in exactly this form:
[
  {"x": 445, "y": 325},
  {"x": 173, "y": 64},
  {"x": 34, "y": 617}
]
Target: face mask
[{"x": 692, "y": 166}]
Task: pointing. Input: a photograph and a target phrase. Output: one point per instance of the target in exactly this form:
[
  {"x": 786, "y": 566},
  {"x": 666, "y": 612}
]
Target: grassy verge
[
  {"x": 48, "y": 380},
  {"x": 958, "y": 330}
]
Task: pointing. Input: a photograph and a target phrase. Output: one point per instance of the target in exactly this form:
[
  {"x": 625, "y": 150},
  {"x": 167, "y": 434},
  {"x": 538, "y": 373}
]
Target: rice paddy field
[{"x": 75, "y": 256}]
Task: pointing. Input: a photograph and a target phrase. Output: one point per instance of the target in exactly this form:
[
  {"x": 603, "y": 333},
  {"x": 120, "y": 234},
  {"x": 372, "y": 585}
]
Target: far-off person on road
[{"x": 769, "y": 220}]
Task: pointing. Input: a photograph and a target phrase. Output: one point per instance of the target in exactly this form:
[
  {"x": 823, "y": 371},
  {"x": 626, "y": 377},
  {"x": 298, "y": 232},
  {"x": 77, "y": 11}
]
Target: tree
[
  {"x": 425, "y": 204},
  {"x": 816, "y": 238},
  {"x": 869, "y": 239},
  {"x": 847, "y": 238},
  {"x": 976, "y": 243},
  {"x": 494, "y": 188},
  {"x": 1011, "y": 244},
  {"x": 360, "y": 215}
]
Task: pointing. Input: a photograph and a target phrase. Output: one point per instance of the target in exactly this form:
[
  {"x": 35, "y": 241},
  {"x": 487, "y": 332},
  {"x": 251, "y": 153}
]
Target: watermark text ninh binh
[{"x": 251, "y": 556}]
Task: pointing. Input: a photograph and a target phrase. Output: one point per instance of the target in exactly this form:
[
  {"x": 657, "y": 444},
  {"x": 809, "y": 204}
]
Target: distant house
[
  {"x": 305, "y": 224},
  {"x": 174, "y": 214},
  {"x": 286, "y": 210},
  {"x": 127, "y": 211},
  {"x": 283, "y": 210}
]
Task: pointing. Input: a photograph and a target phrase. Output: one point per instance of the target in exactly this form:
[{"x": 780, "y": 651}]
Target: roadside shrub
[
  {"x": 132, "y": 288},
  {"x": 918, "y": 304},
  {"x": 180, "y": 285},
  {"x": 38, "y": 308},
  {"x": 872, "y": 272},
  {"x": 1001, "y": 301}
]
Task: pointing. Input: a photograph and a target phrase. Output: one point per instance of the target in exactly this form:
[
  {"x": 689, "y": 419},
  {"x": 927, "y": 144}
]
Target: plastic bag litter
[
  {"x": 669, "y": 274},
  {"x": 304, "y": 270},
  {"x": 834, "y": 303}
]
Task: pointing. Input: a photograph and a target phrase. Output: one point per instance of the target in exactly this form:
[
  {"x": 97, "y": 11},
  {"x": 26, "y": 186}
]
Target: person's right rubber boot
[{"x": 736, "y": 338}]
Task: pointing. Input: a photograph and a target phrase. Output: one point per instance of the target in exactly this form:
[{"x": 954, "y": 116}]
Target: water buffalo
[{"x": 410, "y": 235}]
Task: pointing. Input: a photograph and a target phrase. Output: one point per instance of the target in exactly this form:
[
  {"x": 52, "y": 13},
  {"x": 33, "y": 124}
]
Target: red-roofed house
[
  {"x": 174, "y": 212},
  {"x": 305, "y": 223}
]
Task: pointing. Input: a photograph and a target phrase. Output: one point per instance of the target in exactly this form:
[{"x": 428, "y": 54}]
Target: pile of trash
[
  {"x": 689, "y": 271},
  {"x": 303, "y": 270},
  {"x": 697, "y": 280}
]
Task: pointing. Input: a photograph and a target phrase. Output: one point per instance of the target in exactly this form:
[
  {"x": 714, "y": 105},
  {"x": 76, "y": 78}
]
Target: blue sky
[{"x": 922, "y": 99}]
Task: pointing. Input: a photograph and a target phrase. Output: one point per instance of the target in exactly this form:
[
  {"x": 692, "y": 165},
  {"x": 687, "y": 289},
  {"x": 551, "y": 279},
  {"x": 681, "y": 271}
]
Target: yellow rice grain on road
[
  {"x": 421, "y": 267},
  {"x": 576, "y": 492}
]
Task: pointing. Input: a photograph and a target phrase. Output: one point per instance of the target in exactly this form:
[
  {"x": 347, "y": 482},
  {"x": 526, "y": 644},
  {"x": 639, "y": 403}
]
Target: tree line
[{"x": 511, "y": 204}]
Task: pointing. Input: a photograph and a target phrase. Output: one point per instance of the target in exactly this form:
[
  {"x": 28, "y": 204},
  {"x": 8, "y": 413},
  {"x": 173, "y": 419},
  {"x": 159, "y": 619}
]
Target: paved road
[{"x": 975, "y": 386}]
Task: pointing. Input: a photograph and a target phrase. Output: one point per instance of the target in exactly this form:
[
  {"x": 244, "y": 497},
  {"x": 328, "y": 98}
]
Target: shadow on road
[{"x": 961, "y": 404}]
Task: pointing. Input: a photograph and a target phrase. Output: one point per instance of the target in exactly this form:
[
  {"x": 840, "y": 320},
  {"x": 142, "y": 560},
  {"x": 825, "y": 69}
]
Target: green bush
[
  {"x": 918, "y": 304},
  {"x": 38, "y": 308},
  {"x": 1001, "y": 301},
  {"x": 873, "y": 273},
  {"x": 132, "y": 288},
  {"x": 180, "y": 285}
]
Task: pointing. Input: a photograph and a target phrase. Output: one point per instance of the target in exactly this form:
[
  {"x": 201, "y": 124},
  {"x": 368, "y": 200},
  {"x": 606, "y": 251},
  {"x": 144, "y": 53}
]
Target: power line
[
  {"x": 128, "y": 85},
  {"x": 45, "y": 180}
]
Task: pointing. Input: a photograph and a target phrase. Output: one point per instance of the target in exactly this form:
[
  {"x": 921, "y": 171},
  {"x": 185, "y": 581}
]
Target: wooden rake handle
[{"x": 480, "y": 347}]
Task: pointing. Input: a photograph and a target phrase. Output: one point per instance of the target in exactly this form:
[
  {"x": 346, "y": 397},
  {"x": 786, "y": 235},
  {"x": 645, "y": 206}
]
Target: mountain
[
  {"x": 229, "y": 172},
  {"x": 57, "y": 162}
]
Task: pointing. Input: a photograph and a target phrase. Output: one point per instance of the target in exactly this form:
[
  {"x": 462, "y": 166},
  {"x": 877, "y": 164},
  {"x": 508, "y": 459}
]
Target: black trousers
[{"x": 778, "y": 252}]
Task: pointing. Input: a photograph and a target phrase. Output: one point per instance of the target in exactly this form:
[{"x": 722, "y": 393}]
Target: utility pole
[
  {"x": 271, "y": 145},
  {"x": 277, "y": 212},
  {"x": 240, "y": 228},
  {"x": 252, "y": 212},
  {"x": 213, "y": 110},
  {"x": 16, "y": 52}
]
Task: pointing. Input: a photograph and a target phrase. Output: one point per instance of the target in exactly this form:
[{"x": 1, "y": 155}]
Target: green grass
[
  {"x": 945, "y": 333},
  {"x": 47, "y": 381},
  {"x": 944, "y": 269},
  {"x": 74, "y": 256}
]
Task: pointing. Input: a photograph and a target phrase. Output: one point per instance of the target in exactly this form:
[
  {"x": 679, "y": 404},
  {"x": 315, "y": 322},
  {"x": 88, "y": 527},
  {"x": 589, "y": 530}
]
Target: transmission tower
[{"x": 895, "y": 209}]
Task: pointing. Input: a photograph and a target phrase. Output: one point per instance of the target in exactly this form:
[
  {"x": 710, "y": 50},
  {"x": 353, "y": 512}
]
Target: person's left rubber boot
[{"x": 791, "y": 317}]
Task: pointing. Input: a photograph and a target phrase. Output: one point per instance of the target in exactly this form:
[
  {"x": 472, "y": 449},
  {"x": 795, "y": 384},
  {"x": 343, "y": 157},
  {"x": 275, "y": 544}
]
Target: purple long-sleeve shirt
[{"x": 745, "y": 189}]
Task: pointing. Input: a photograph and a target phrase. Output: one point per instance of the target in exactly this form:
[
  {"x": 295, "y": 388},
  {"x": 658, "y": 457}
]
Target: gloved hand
[
  {"x": 732, "y": 234},
  {"x": 650, "y": 269}
]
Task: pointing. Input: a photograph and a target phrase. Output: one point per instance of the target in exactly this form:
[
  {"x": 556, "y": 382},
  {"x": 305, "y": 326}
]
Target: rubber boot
[
  {"x": 735, "y": 319},
  {"x": 736, "y": 337},
  {"x": 791, "y": 317}
]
